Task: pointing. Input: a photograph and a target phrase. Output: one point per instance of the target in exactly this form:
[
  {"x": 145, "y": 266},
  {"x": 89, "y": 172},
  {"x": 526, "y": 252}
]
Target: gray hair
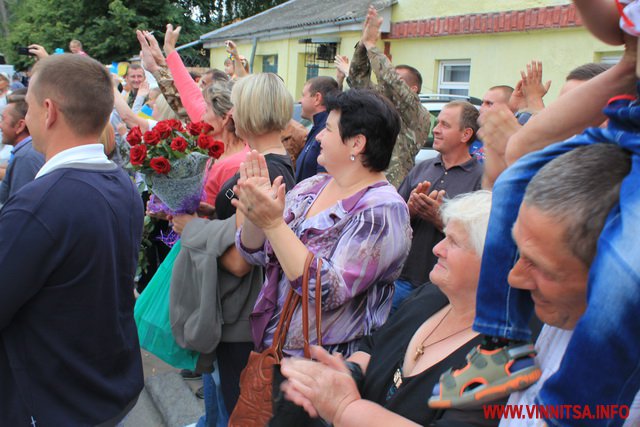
[
  {"x": 471, "y": 210},
  {"x": 218, "y": 96},
  {"x": 579, "y": 188}
]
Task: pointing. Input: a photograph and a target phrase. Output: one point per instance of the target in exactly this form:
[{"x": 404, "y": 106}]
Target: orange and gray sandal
[{"x": 488, "y": 376}]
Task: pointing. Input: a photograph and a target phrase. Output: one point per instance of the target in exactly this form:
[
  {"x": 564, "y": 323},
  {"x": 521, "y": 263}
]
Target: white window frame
[
  {"x": 611, "y": 58},
  {"x": 444, "y": 85}
]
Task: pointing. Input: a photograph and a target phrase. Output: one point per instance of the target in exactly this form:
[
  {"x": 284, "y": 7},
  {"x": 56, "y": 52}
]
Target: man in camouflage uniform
[{"x": 400, "y": 85}]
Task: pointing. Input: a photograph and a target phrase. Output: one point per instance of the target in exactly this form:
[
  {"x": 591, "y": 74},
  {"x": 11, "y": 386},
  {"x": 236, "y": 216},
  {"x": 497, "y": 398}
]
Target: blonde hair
[
  {"x": 108, "y": 139},
  {"x": 262, "y": 104}
]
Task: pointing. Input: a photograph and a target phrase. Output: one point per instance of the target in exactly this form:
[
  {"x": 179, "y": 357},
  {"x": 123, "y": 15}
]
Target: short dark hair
[
  {"x": 579, "y": 188},
  {"x": 80, "y": 86},
  {"x": 17, "y": 98},
  {"x": 365, "y": 112},
  {"x": 324, "y": 85},
  {"x": 133, "y": 66},
  {"x": 415, "y": 75},
  {"x": 468, "y": 117},
  {"x": 217, "y": 75},
  {"x": 587, "y": 71},
  {"x": 505, "y": 89}
]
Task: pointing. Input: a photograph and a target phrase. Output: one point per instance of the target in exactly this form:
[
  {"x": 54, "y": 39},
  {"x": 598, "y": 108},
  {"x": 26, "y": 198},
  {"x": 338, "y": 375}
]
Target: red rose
[
  {"x": 179, "y": 144},
  {"x": 138, "y": 154},
  {"x": 194, "y": 128},
  {"x": 205, "y": 127},
  {"x": 160, "y": 165},
  {"x": 175, "y": 124},
  {"x": 163, "y": 129},
  {"x": 134, "y": 137},
  {"x": 216, "y": 149},
  {"x": 152, "y": 137},
  {"x": 205, "y": 141}
]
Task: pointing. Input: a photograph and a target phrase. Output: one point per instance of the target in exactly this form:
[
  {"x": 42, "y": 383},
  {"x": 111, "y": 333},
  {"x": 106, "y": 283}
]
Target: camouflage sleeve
[
  {"x": 360, "y": 70},
  {"x": 168, "y": 88},
  {"x": 415, "y": 117}
]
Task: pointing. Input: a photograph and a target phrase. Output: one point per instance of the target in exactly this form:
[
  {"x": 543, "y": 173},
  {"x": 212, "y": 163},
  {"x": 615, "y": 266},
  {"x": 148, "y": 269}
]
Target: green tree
[{"x": 107, "y": 27}]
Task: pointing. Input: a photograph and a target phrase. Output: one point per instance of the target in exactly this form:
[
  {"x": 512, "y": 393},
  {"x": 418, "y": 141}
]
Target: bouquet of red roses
[{"x": 172, "y": 159}]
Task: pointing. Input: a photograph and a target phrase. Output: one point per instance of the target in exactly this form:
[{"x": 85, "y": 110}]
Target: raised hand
[
  {"x": 171, "y": 39},
  {"x": 517, "y": 101},
  {"x": 232, "y": 49},
  {"x": 371, "y": 30},
  {"x": 496, "y": 127},
  {"x": 38, "y": 51},
  {"x": 151, "y": 55},
  {"x": 342, "y": 64},
  {"x": 532, "y": 85},
  {"x": 260, "y": 201}
]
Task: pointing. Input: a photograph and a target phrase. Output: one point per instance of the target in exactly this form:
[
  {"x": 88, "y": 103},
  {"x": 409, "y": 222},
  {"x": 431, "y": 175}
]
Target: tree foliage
[{"x": 107, "y": 27}]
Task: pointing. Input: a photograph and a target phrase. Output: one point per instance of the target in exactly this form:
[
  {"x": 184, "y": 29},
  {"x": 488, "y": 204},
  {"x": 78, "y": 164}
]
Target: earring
[{"x": 353, "y": 158}]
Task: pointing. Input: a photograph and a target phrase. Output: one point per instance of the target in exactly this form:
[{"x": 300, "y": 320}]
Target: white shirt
[{"x": 89, "y": 153}]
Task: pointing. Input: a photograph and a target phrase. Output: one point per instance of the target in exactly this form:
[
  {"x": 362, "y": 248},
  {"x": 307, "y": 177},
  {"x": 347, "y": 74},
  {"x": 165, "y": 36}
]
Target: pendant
[
  {"x": 397, "y": 378},
  {"x": 419, "y": 353}
]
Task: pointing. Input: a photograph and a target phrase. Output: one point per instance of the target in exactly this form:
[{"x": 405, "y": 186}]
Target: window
[
  {"x": 611, "y": 59},
  {"x": 312, "y": 71},
  {"x": 453, "y": 77},
  {"x": 270, "y": 64},
  {"x": 319, "y": 53}
]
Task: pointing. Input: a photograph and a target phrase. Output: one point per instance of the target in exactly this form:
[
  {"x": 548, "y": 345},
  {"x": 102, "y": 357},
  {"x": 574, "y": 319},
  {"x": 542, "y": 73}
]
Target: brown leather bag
[{"x": 254, "y": 407}]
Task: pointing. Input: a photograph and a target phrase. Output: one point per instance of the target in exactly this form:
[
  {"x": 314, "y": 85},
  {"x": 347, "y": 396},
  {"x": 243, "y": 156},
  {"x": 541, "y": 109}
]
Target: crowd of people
[{"x": 502, "y": 271}]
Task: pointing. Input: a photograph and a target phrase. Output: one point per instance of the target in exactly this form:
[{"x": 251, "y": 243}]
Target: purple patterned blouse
[{"x": 363, "y": 242}]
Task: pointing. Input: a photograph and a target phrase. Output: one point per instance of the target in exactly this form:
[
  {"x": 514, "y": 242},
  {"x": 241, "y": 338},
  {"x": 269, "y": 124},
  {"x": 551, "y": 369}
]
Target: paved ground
[{"x": 167, "y": 400}]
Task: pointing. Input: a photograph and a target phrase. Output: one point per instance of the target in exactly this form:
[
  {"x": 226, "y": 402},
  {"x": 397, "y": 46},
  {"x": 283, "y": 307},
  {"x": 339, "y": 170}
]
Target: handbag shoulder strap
[
  {"x": 283, "y": 323},
  {"x": 319, "y": 301},
  {"x": 290, "y": 305},
  {"x": 305, "y": 304}
]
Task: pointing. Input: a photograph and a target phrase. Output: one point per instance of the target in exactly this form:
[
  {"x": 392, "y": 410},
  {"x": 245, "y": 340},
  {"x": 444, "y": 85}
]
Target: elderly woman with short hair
[
  {"x": 399, "y": 365},
  {"x": 351, "y": 218}
]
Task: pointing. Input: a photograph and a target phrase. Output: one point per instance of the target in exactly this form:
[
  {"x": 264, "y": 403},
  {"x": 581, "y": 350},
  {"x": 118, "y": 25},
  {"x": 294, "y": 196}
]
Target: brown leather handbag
[{"x": 254, "y": 407}]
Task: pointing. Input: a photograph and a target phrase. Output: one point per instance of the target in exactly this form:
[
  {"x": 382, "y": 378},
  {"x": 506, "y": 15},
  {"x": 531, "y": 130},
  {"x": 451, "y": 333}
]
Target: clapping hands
[{"x": 260, "y": 201}]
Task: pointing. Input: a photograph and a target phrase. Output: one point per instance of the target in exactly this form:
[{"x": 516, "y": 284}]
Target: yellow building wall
[
  {"x": 408, "y": 10},
  {"x": 291, "y": 58},
  {"x": 497, "y": 59}
]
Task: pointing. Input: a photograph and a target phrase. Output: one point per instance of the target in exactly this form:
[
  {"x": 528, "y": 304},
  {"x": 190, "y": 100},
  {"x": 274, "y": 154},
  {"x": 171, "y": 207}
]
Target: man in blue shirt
[
  {"x": 312, "y": 102},
  {"x": 24, "y": 162}
]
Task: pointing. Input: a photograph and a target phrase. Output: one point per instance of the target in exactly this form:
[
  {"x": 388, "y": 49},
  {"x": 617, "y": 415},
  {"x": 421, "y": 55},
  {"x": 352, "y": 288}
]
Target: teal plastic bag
[{"x": 151, "y": 313}]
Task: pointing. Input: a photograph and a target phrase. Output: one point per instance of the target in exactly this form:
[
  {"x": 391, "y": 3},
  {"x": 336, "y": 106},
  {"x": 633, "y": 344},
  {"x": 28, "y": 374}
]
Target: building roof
[{"x": 297, "y": 15}]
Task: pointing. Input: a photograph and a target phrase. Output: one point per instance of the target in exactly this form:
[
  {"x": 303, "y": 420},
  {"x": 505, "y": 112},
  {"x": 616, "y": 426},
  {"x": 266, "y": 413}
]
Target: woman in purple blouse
[{"x": 351, "y": 218}]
